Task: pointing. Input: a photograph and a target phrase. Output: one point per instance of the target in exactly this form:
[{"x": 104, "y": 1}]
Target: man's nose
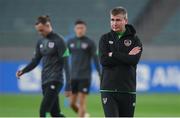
[{"x": 114, "y": 22}]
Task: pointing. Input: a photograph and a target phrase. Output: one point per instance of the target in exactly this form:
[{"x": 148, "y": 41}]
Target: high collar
[
  {"x": 81, "y": 38},
  {"x": 50, "y": 34}
]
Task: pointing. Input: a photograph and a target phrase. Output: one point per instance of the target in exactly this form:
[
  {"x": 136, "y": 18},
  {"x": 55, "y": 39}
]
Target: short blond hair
[{"x": 119, "y": 10}]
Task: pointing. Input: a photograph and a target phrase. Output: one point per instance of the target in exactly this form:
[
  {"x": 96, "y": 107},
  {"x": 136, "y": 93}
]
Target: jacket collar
[
  {"x": 50, "y": 34},
  {"x": 80, "y": 38}
]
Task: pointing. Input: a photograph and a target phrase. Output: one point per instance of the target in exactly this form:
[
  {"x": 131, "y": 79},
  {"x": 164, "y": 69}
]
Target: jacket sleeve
[
  {"x": 35, "y": 60},
  {"x": 95, "y": 57},
  {"x": 67, "y": 73},
  {"x": 129, "y": 59},
  {"x": 104, "y": 49},
  {"x": 63, "y": 53},
  {"x": 68, "y": 45}
]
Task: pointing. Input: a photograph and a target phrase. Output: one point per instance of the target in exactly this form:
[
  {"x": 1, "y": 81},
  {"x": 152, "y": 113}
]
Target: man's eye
[
  {"x": 118, "y": 19},
  {"x": 115, "y": 19}
]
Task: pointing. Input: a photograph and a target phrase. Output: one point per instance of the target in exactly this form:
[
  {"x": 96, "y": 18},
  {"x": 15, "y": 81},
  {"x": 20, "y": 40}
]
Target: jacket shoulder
[
  {"x": 59, "y": 39},
  {"x": 105, "y": 36},
  {"x": 90, "y": 41},
  {"x": 137, "y": 40},
  {"x": 71, "y": 40}
]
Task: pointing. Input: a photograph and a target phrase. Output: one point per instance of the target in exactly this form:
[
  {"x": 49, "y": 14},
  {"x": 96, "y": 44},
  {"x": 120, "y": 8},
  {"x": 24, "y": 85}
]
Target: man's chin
[{"x": 115, "y": 30}]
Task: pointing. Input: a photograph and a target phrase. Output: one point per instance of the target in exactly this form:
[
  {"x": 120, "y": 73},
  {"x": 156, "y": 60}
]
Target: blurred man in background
[
  {"x": 82, "y": 50},
  {"x": 53, "y": 52},
  {"x": 120, "y": 51}
]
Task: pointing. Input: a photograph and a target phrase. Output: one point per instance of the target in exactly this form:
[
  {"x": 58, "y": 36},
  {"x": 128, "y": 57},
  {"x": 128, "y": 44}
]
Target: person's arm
[
  {"x": 34, "y": 62},
  {"x": 68, "y": 46},
  {"x": 104, "y": 50},
  {"x": 94, "y": 55},
  {"x": 67, "y": 72},
  {"x": 63, "y": 53},
  {"x": 130, "y": 59}
]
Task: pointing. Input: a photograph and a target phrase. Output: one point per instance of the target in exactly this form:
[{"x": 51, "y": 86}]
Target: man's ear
[
  {"x": 126, "y": 21},
  {"x": 48, "y": 24}
]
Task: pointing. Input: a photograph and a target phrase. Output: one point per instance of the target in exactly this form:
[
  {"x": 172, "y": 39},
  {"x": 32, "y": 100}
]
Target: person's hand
[
  {"x": 19, "y": 73},
  {"x": 135, "y": 50},
  {"x": 67, "y": 93},
  {"x": 110, "y": 54}
]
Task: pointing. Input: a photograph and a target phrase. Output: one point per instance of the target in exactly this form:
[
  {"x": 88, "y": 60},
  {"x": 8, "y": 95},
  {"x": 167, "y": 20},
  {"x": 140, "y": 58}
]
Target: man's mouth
[{"x": 115, "y": 28}]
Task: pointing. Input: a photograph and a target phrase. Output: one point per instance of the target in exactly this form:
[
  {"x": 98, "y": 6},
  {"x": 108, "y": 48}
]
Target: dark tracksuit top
[
  {"x": 82, "y": 51},
  {"x": 119, "y": 70},
  {"x": 53, "y": 53}
]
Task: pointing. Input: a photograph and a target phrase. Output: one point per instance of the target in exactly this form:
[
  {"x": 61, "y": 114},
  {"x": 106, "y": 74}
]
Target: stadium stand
[{"x": 19, "y": 16}]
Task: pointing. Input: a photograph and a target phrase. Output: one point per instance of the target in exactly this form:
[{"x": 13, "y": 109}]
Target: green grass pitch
[{"x": 147, "y": 105}]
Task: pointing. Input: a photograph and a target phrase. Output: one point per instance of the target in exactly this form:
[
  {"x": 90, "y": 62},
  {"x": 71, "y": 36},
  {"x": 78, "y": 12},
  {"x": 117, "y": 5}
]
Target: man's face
[
  {"x": 43, "y": 29},
  {"x": 80, "y": 30},
  {"x": 118, "y": 22}
]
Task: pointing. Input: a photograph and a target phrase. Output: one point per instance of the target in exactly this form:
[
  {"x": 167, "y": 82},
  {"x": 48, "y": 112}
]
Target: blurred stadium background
[{"x": 158, "y": 26}]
